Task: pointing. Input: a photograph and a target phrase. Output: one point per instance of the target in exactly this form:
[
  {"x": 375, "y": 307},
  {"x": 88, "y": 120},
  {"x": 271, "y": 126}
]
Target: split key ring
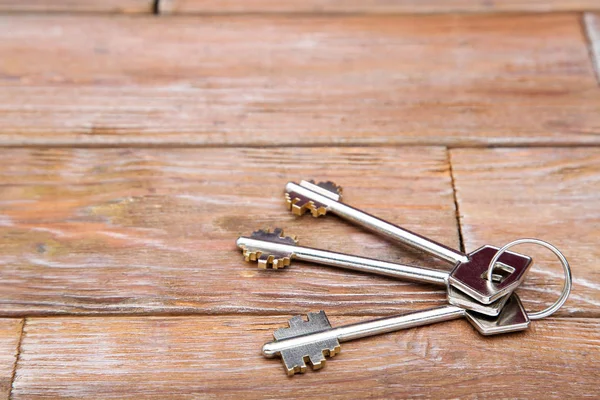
[{"x": 566, "y": 269}]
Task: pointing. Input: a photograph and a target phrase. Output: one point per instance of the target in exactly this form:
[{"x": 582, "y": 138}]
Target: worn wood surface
[
  {"x": 592, "y": 26},
  {"x": 75, "y": 6},
  {"x": 550, "y": 194},
  {"x": 153, "y": 231},
  {"x": 377, "y": 6},
  {"x": 148, "y": 233},
  {"x": 10, "y": 334},
  {"x": 138, "y": 231},
  {"x": 273, "y": 80},
  {"x": 219, "y": 357}
]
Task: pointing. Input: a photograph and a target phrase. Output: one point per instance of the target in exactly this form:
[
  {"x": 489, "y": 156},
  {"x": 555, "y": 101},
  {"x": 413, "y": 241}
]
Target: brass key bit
[
  {"x": 295, "y": 358},
  {"x": 300, "y": 204},
  {"x": 277, "y": 259}
]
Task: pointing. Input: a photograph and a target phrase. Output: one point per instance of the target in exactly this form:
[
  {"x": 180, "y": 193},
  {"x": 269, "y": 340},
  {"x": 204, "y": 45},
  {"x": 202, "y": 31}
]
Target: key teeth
[
  {"x": 329, "y": 186},
  {"x": 316, "y": 321},
  {"x": 332, "y": 351},
  {"x": 249, "y": 256},
  {"x": 295, "y": 321},
  {"x": 293, "y": 367},
  {"x": 317, "y": 317},
  {"x": 316, "y": 360},
  {"x": 281, "y": 263},
  {"x": 299, "y": 205},
  {"x": 276, "y": 236},
  {"x": 295, "y": 370},
  {"x": 275, "y": 261},
  {"x": 269, "y": 259},
  {"x": 264, "y": 260},
  {"x": 335, "y": 351},
  {"x": 296, "y": 358}
]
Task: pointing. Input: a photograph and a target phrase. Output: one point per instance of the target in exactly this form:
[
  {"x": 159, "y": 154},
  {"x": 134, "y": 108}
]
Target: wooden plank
[
  {"x": 273, "y": 80},
  {"x": 153, "y": 230},
  {"x": 551, "y": 194},
  {"x": 75, "y": 6},
  {"x": 10, "y": 336},
  {"x": 219, "y": 357},
  {"x": 377, "y": 6},
  {"x": 592, "y": 26}
]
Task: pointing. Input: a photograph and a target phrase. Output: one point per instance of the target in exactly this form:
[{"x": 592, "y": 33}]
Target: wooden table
[{"x": 136, "y": 148}]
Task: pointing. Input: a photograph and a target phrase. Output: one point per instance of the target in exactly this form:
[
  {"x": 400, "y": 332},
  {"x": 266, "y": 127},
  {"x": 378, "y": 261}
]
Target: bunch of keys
[{"x": 480, "y": 286}]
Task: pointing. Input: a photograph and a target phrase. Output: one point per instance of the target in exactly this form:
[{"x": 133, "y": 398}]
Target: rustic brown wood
[
  {"x": 219, "y": 357},
  {"x": 71, "y": 6},
  {"x": 592, "y": 26},
  {"x": 551, "y": 194},
  {"x": 455, "y": 80},
  {"x": 153, "y": 231},
  {"x": 10, "y": 335},
  {"x": 378, "y": 6}
]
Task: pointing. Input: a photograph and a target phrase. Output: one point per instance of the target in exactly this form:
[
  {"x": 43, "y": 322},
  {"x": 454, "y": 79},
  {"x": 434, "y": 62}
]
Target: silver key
[
  {"x": 276, "y": 250},
  {"x": 311, "y": 341},
  {"x": 469, "y": 273}
]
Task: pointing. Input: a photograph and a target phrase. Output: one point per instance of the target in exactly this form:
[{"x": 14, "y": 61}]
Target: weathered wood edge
[
  {"x": 319, "y": 7},
  {"x": 78, "y": 7},
  {"x": 591, "y": 24},
  {"x": 11, "y": 335}
]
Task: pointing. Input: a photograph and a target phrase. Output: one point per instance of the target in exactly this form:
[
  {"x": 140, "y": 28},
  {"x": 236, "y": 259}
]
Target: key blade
[
  {"x": 297, "y": 354},
  {"x": 295, "y": 359},
  {"x": 316, "y": 322},
  {"x": 252, "y": 249},
  {"x": 300, "y": 204}
]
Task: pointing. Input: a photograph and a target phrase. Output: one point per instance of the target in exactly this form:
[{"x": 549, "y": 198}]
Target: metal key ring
[{"x": 566, "y": 269}]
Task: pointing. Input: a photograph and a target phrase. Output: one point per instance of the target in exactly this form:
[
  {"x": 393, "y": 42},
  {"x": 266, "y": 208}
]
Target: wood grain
[
  {"x": 75, "y": 6},
  {"x": 219, "y": 357},
  {"x": 551, "y": 194},
  {"x": 377, "y": 6},
  {"x": 10, "y": 335},
  {"x": 153, "y": 231},
  {"x": 592, "y": 26},
  {"x": 275, "y": 80}
]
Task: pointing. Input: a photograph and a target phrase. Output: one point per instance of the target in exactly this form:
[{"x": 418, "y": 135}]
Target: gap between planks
[
  {"x": 461, "y": 240},
  {"x": 17, "y": 357}
]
